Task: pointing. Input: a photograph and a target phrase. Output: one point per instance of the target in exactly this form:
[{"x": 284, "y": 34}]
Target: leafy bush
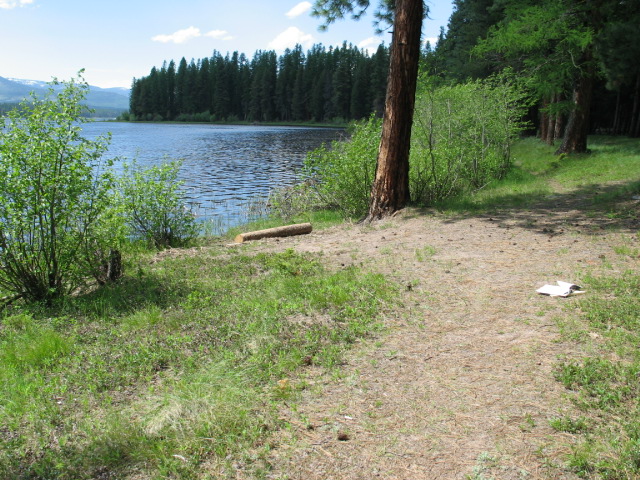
[
  {"x": 55, "y": 191},
  {"x": 342, "y": 174},
  {"x": 462, "y": 136},
  {"x": 155, "y": 208},
  {"x": 461, "y": 140},
  {"x": 289, "y": 202}
]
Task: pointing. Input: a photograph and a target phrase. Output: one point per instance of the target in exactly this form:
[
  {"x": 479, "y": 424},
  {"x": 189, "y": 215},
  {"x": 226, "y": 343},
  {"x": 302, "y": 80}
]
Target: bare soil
[{"x": 460, "y": 384}]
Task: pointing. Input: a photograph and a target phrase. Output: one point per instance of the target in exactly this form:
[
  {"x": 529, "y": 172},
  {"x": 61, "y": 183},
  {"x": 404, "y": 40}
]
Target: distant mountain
[
  {"x": 13, "y": 90},
  {"x": 33, "y": 84}
]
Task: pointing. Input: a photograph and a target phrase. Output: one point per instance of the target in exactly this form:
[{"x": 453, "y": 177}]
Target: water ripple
[{"x": 226, "y": 169}]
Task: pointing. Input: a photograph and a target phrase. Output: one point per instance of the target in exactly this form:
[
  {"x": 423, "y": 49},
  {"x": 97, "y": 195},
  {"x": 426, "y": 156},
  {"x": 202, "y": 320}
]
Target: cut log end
[{"x": 286, "y": 231}]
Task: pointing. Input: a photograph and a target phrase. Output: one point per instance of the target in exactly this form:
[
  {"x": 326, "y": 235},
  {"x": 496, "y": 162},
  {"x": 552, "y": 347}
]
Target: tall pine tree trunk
[
  {"x": 544, "y": 121},
  {"x": 551, "y": 129},
  {"x": 559, "y": 126},
  {"x": 617, "y": 121},
  {"x": 559, "y": 123},
  {"x": 634, "y": 129},
  {"x": 390, "y": 191},
  {"x": 577, "y": 130}
]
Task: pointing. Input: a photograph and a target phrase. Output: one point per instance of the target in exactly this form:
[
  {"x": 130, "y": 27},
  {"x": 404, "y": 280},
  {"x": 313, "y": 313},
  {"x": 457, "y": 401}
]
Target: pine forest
[{"x": 334, "y": 84}]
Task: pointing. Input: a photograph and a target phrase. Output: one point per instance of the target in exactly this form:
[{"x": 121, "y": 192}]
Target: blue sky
[{"x": 117, "y": 40}]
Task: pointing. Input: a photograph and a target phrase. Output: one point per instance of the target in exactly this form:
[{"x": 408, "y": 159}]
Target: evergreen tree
[
  {"x": 134, "y": 99},
  {"x": 315, "y": 80},
  {"x": 433, "y": 59},
  {"x": 299, "y": 97},
  {"x": 243, "y": 89},
  {"x": 361, "y": 91},
  {"x": 320, "y": 85},
  {"x": 342, "y": 82},
  {"x": 171, "y": 91},
  {"x": 191, "y": 89},
  {"x": 469, "y": 22},
  {"x": 162, "y": 99},
  {"x": 233, "y": 82},
  {"x": 554, "y": 44},
  {"x": 181, "y": 87},
  {"x": 619, "y": 51},
  {"x": 288, "y": 66},
  {"x": 222, "y": 91},
  {"x": 379, "y": 73}
]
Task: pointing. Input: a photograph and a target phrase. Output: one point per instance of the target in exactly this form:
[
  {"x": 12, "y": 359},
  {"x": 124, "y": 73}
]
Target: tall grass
[{"x": 173, "y": 372}]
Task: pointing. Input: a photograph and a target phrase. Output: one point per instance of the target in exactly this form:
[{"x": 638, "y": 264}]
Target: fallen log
[{"x": 286, "y": 231}]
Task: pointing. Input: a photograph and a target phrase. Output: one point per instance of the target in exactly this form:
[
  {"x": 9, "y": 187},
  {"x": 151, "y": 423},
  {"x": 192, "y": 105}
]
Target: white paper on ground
[{"x": 562, "y": 289}]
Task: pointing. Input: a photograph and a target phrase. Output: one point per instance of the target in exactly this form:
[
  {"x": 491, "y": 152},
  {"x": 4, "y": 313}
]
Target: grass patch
[
  {"x": 422, "y": 254},
  {"x": 569, "y": 425},
  {"x": 176, "y": 371},
  {"x": 538, "y": 173},
  {"x": 522, "y": 186},
  {"x": 606, "y": 385},
  {"x": 611, "y": 159}
]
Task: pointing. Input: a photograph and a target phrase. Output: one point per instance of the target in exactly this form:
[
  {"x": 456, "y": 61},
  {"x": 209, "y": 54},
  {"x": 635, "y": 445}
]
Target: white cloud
[
  {"x": 219, "y": 34},
  {"x": 299, "y": 9},
  {"x": 289, "y": 38},
  {"x": 9, "y": 4},
  {"x": 370, "y": 44},
  {"x": 181, "y": 36},
  {"x": 186, "y": 34},
  {"x": 216, "y": 33}
]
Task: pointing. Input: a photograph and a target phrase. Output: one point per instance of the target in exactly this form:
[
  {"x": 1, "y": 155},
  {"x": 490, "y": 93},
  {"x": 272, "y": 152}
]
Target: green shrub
[
  {"x": 342, "y": 174},
  {"x": 55, "y": 190},
  {"x": 461, "y": 139},
  {"x": 289, "y": 202},
  {"x": 154, "y": 205},
  {"x": 462, "y": 136}
]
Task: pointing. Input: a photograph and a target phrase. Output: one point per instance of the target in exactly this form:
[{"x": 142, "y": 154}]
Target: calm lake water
[{"x": 226, "y": 169}]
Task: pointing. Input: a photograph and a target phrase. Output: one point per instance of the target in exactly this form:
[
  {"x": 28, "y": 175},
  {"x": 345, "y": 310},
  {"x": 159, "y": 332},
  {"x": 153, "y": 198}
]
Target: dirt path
[{"x": 461, "y": 383}]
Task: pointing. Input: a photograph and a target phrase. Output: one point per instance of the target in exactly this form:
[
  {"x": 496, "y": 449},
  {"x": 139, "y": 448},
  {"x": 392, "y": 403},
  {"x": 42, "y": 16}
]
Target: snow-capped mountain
[
  {"x": 15, "y": 89},
  {"x": 31, "y": 83}
]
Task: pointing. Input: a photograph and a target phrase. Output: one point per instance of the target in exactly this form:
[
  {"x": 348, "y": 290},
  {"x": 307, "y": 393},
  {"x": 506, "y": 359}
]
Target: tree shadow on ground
[
  {"x": 123, "y": 297},
  {"x": 592, "y": 209},
  {"x": 131, "y": 293},
  {"x": 621, "y": 145}
]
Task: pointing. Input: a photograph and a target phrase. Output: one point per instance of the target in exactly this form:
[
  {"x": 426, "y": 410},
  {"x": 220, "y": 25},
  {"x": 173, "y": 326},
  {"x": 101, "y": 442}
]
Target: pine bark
[
  {"x": 551, "y": 130},
  {"x": 577, "y": 130},
  {"x": 390, "y": 191},
  {"x": 617, "y": 120},
  {"x": 634, "y": 129},
  {"x": 544, "y": 121},
  {"x": 559, "y": 124}
]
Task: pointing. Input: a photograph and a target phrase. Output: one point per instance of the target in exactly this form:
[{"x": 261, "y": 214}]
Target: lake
[{"x": 227, "y": 170}]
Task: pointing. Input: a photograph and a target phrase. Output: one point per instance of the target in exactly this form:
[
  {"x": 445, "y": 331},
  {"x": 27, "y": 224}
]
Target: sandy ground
[{"x": 460, "y": 385}]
